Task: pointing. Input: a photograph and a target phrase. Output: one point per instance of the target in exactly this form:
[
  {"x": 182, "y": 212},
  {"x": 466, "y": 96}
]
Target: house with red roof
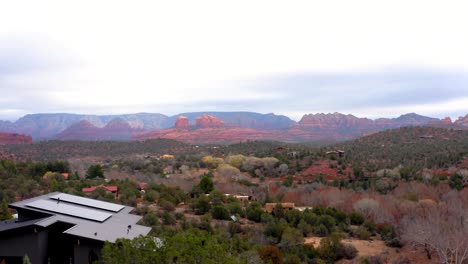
[{"x": 109, "y": 189}]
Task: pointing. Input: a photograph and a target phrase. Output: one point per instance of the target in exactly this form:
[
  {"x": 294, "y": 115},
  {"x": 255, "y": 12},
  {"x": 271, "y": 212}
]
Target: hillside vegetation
[
  {"x": 419, "y": 147},
  {"x": 52, "y": 150}
]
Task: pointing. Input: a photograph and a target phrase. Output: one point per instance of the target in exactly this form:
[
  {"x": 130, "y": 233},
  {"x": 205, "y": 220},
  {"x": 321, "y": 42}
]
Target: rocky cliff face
[
  {"x": 462, "y": 121},
  {"x": 182, "y": 123},
  {"x": 208, "y": 121},
  {"x": 446, "y": 121},
  {"x": 239, "y": 119},
  {"x": 335, "y": 125},
  {"x": 10, "y": 138},
  {"x": 209, "y": 129}
]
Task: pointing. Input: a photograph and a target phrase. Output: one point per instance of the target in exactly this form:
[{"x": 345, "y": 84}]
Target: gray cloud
[
  {"x": 22, "y": 60},
  {"x": 329, "y": 92},
  {"x": 29, "y": 72},
  {"x": 26, "y": 55},
  {"x": 387, "y": 88}
]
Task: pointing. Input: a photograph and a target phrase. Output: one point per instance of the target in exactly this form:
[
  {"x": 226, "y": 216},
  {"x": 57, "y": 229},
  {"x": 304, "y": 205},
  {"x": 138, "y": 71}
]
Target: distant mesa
[
  {"x": 12, "y": 138},
  {"x": 340, "y": 126},
  {"x": 213, "y": 127},
  {"x": 116, "y": 129},
  {"x": 208, "y": 128},
  {"x": 182, "y": 123}
]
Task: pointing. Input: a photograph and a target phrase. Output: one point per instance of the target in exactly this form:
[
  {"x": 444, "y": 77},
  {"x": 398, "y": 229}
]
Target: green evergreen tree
[
  {"x": 456, "y": 181},
  {"x": 95, "y": 171},
  {"x": 6, "y": 215},
  {"x": 220, "y": 212},
  {"x": 254, "y": 211},
  {"x": 206, "y": 184}
]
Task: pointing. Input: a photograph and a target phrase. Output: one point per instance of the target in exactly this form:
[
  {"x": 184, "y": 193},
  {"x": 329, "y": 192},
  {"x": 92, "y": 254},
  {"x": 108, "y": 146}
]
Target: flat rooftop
[{"x": 91, "y": 219}]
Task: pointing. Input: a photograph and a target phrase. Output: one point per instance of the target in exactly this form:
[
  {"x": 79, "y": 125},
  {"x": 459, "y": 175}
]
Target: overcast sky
[{"x": 368, "y": 58}]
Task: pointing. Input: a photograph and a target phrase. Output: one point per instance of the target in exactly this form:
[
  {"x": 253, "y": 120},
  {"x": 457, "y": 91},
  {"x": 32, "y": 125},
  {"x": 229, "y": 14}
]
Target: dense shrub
[
  {"x": 254, "y": 211},
  {"x": 356, "y": 218},
  {"x": 219, "y": 212},
  {"x": 271, "y": 254},
  {"x": 349, "y": 251},
  {"x": 362, "y": 233}
]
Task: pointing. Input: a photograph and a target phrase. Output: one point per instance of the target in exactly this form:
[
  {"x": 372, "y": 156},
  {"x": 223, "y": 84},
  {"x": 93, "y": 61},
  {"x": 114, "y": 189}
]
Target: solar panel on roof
[
  {"x": 69, "y": 209},
  {"x": 88, "y": 202}
]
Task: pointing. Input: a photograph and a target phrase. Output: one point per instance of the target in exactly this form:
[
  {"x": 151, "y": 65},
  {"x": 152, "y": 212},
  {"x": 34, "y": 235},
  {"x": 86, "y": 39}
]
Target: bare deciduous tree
[
  {"x": 441, "y": 228},
  {"x": 367, "y": 207}
]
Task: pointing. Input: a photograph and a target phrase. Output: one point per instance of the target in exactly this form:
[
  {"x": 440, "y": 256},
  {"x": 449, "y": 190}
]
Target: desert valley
[{"x": 258, "y": 188}]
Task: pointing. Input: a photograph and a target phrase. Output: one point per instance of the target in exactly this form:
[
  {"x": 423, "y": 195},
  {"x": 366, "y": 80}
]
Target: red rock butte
[
  {"x": 182, "y": 123},
  {"x": 208, "y": 121}
]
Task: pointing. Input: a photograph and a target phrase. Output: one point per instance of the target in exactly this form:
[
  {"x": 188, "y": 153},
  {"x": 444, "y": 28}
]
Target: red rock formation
[
  {"x": 462, "y": 121},
  {"x": 447, "y": 121},
  {"x": 336, "y": 126},
  {"x": 10, "y": 138},
  {"x": 208, "y": 121},
  {"x": 340, "y": 126},
  {"x": 182, "y": 123}
]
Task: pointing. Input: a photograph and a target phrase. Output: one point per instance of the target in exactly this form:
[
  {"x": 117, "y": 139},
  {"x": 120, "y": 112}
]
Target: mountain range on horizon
[{"x": 212, "y": 127}]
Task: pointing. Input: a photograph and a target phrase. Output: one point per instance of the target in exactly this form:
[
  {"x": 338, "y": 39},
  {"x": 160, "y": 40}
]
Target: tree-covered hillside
[
  {"x": 408, "y": 146},
  {"x": 52, "y": 150}
]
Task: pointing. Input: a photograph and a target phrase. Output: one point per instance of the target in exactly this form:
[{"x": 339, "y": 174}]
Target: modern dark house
[{"x": 63, "y": 228}]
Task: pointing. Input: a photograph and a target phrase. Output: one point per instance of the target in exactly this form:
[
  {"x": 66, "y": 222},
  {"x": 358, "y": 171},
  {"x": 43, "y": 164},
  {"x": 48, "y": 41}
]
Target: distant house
[
  {"x": 166, "y": 156},
  {"x": 269, "y": 207},
  {"x": 337, "y": 153},
  {"x": 241, "y": 198},
  {"x": 280, "y": 150},
  {"x": 64, "y": 228},
  {"x": 108, "y": 189},
  {"x": 49, "y": 174},
  {"x": 303, "y": 208},
  {"x": 168, "y": 170},
  {"x": 142, "y": 186},
  {"x": 293, "y": 154},
  {"x": 426, "y": 137}
]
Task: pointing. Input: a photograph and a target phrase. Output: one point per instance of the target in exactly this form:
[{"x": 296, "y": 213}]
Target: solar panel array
[
  {"x": 65, "y": 208},
  {"x": 88, "y": 202}
]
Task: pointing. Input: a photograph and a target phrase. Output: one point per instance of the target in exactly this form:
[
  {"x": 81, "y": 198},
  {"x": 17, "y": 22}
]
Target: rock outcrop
[
  {"x": 462, "y": 121},
  {"x": 182, "y": 123},
  {"x": 209, "y": 129},
  {"x": 340, "y": 126},
  {"x": 11, "y": 138},
  {"x": 208, "y": 121}
]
